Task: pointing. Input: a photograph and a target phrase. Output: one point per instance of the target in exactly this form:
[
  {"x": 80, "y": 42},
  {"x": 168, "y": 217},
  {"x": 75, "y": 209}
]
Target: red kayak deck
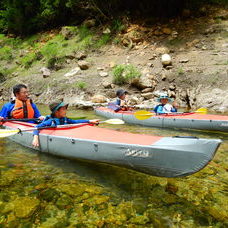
[
  {"x": 93, "y": 133},
  {"x": 192, "y": 115}
]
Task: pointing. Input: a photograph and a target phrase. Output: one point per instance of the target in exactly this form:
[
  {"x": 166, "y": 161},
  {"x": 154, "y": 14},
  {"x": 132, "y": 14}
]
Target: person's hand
[
  {"x": 1, "y": 118},
  {"x": 175, "y": 105},
  {"x": 96, "y": 121},
  {"x": 41, "y": 118},
  {"x": 35, "y": 141}
]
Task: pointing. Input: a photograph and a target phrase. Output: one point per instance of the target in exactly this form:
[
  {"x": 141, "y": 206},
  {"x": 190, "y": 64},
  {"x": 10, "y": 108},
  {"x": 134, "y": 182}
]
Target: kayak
[
  {"x": 154, "y": 155},
  {"x": 180, "y": 120}
]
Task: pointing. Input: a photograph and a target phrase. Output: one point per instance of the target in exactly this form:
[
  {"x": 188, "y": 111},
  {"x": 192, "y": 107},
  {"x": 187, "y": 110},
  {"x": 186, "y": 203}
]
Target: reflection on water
[{"x": 37, "y": 190}]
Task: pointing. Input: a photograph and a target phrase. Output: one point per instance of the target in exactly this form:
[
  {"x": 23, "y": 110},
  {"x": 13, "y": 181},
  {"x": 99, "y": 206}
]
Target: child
[
  {"x": 164, "y": 106},
  {"x": 121, "y": 102},
  {"x": 57, "y": 117}
]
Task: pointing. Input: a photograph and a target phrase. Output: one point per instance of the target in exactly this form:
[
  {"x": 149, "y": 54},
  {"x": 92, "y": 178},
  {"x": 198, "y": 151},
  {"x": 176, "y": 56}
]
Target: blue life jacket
[
  {"x": 115, "y": 106},
  {"x": 156, "y": 107},
  {"x": 56, "y": 121}
]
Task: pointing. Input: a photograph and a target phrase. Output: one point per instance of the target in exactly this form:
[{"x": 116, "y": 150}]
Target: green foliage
[
  {"x": 180, "y": 71},
  {"x": 28, "y": 60},
  {"x": 103, "y": 40},
  {"x": 6, "y": 53},
  {"x": 118, "y": 26},
  {"x": 81, "y": 85},
  {"x": 123, "y": 74}
]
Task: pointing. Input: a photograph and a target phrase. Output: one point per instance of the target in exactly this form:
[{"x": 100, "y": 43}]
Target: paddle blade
[
  {"x": 6, "y": 133},
  {"x": 113, "y": 121},
  {"x": 143, "y": 115},
  {"x": 201, "y": 111}
]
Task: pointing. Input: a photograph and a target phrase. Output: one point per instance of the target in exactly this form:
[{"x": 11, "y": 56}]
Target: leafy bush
[{"x": 123, "y": 74}]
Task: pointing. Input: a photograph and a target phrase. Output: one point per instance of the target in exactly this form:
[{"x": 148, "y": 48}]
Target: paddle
[
  {"x": 37, "y": 119},
  {"x": 143, "y": 114},
  {"x": 7, "y": 132},
  {"x": 25, "y": 119}
]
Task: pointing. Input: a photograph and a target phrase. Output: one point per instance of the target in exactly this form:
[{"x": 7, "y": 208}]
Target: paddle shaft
[
  {"x": 60, "y": 126},
  {"x": 10, "y": 120}
]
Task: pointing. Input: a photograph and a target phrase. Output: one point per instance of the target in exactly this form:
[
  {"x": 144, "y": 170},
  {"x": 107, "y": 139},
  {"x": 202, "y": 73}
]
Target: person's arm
[
  {"x": 35, "y": 141},
  {"x": 5, "y": 112},
  {"x": 70, "y": 121}
]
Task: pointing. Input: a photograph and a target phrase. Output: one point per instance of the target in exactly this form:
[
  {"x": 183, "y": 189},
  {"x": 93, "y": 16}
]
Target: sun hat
[
  {"x": 164, "y": 96},
  {"x": 121, "y": 92},
  {"x": 57, "y": 105}
]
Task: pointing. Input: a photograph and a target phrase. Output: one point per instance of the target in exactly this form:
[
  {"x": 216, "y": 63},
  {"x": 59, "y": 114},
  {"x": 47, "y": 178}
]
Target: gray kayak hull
[
  {"x": 191, "y": 121},
  {"x": 160, "y": 156}
]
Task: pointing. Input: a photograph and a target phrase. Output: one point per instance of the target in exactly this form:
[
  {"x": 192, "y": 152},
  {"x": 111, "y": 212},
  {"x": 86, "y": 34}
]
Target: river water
[{"x": 39, "y": 190}]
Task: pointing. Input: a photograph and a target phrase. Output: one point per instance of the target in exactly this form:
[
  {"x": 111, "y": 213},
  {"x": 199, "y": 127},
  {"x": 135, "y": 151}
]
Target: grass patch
[
  {"x": 118, "y": 26},
  {"x": 180, "y": 71},
  {"x": 6, "y": 53},
  {"x": 28, "y": 60},
  {"x": 103, "y": 40},
  {"x": 81, "y": 85},
  {"x": 123, "y": 74}
]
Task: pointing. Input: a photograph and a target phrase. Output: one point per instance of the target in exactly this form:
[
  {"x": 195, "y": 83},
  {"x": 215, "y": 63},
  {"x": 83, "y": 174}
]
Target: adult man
[{"x": 22, "y": 107}]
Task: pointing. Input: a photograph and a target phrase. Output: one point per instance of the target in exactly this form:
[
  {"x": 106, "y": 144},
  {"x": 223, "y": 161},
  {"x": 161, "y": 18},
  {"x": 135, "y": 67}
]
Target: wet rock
[
  {"x": 84, "y": 65},
  {"x": 147, "y": 90},
  {"x": 45, "y": 72},
  {"x": 73, "y": 72},
  {"x": 99, "y": 99},
  {"x": 49, "y": 195},
  {"x": 147, "y": 95},
  {"x": 166, "y": 60},
  {"x": 64, "y": 201},
  {"x": 140, "y": 220},
  {"x": 103, "y": 74},
  {"x": 25, "y": 206}
]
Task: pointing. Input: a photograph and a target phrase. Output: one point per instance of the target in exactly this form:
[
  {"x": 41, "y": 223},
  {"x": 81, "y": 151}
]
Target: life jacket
[
  {"x": 56, "y": 121},
  {"x": 156, "y": 107},
  {"x": 22, "y": 109},
  {"x": 115, "y": 106}
]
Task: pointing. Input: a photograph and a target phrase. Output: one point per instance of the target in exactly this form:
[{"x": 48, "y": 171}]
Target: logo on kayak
[
  {"x": 224, "y": 124},
  {"x": 136, "y": 153}
]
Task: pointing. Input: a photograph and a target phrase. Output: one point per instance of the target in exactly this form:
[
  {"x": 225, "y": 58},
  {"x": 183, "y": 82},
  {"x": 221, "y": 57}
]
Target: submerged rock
[{"x": 25, "y": 206}]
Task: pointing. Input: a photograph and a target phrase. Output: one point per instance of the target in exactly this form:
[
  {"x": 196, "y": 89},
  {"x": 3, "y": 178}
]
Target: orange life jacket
[{"x": 22, "y": 109}]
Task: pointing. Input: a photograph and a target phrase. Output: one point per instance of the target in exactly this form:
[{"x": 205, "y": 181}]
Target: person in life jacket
[
  {"x": 22, "y": 107},
  {"x": 121, "y": 103},
  {"x": 57, "y": 117},
  {"x": 164, "y": 106}
]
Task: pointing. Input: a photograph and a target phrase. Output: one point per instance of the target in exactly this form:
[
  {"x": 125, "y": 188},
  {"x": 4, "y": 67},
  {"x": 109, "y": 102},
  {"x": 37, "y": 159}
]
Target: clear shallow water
[{"x": 37, "y": 190}]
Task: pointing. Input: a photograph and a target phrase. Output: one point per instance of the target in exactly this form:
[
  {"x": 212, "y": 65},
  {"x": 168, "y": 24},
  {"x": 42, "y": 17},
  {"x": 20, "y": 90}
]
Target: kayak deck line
[{"x": 153, "y": 155}]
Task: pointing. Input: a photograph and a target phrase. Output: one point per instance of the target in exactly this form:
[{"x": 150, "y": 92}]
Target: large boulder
[
  {"x": 145, "y": 81},
  {"x": 99, "y": 99}
]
